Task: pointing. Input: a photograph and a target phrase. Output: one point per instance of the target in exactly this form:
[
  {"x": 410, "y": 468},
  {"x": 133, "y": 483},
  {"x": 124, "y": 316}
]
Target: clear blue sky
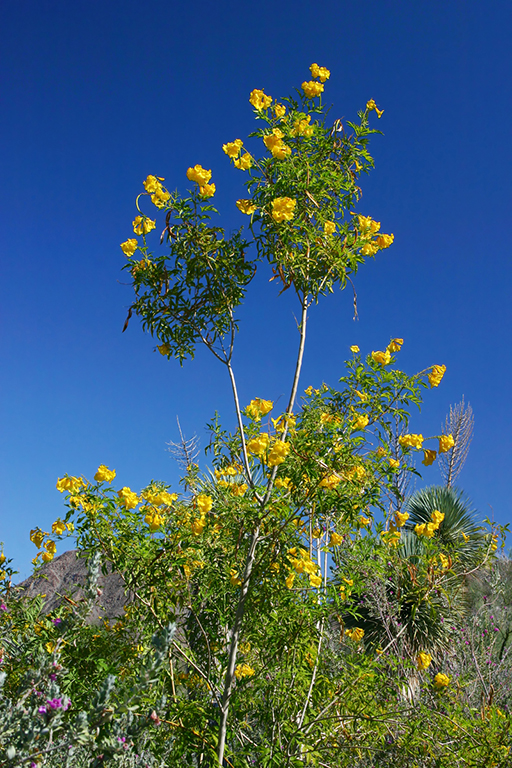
[{"x": 97, "y": 95}]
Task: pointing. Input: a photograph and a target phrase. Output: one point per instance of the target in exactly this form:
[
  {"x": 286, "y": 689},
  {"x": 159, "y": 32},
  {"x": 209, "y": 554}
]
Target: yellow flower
[
  {"x": 154, "y": 520},
  {"x": 401, "y": 518},
  {"x": 369, "y": 249},
  {"x": 394, "y": 463},
  {"x": 395, "y": 345},
  {"x": 335, "y": 539},
  {"x": 445, "y": 443},
  {"x": 160, "y": 197},
  {"x": 355, "y": 474},
  {"x": 128, "y": 498},
  {"x": 199, "y": 175},
  {"x": 429, "y": 457},
  {"x": 330, "y": 482},
  {"x": 129, "y": 246},
  {"x": 233, "y": 577},
  {"x": 354, "y": 348},
  {"x": 360, "y": 422},
  {"x": 208, "y": 190},
  {"x": 278, "y": 453},
  {"x": 355, "y": 634},
  {"x": 419, "y": 529},
  {"x": 312, "y": 89},
  {"x": 464, "y": 536},
  {"x": 163, "y": 498},
  {"x": 364, "y": 521},
  {"x": 367, "y": 225},
  {"x": 330, "y": 229},
  {"x": 274, "y": 142},
  {"x": 289, "y": 580},
  {"x": 204, "y": 503},
  {"x": 441, "y": 681},
  {"x": 142, "y": 225},
  {"x": 2, "y": 558},
  {"x": 282, "y": 482},
  {"x": 246, "y": 206},
  {"x": 322, "y": 73},
  {"x": 379, "y": 112},
  {"x": 198, "y": 526},
  {"x": 384, "y": 241},
  {"x": 436, "y": 375},
  {"x": 383, "y": 358},
  {"x": 37, "y": 536},
  {"x": 258, "y": 445},
  {"x": 50, "y": 546},
  {"x": 72, "y": 484},
  {"x": 243, "y": 670},
  {"x": 314, "y": 580},
  {"x": 104, "y": 474},
  {"x": 58, "y": 527},
  {"x": 260, "y": 100},
  {"x": 430, "y": 529},
  {"x": 233, "y": 148},
  {"x": 258, "y": 408},
  {"x": 279, "y": 110},
  {"x": 437, "y": 516},
  {"x": 445, "y": 561},
  {"x": 244, "y": 162},
  {"x": 423, "y": 660},
  {"x": 152, "y": 184},
  {"x": 413, "y": 441},
  {"x": 50, "y": 647},
  {"x": 370, "y": 105},
  {"x": 302, "y": 127},
  {"x": 283, "y": 208}
]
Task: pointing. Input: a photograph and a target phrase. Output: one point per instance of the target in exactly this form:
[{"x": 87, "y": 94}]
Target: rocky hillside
[{"x": 66, "y": 575}]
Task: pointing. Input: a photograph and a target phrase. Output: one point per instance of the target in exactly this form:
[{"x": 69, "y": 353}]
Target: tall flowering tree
[{"x": 263, "y": 562}]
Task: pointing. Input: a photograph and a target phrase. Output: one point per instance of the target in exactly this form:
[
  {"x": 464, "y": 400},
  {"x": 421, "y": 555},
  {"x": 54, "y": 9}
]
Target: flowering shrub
[{"x": 291, "y": 594}]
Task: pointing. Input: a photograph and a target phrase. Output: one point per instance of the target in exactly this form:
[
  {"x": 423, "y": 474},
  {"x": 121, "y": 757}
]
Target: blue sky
[{"x": 97, "y": 95}]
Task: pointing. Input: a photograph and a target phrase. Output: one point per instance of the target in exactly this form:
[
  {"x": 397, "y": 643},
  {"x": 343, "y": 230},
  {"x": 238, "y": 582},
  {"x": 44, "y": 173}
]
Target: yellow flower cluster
[
  {"x": 445, "y": 443},
  {"x": 368, "y": 228},
  {"x": 429, "y": 457},
  {"x": 355, "y": 634},
  {"x": 355, "y": 474},
  {"x": 423, "y": 660},
  {"x": 202, "y": 177},
  {"x": 300, "y": 560},
  {"x": 436, "y": 375},
  {"x": 159, "y": 498},
  {"x": 411, "y": 441},
  {"x": 204, "y": 503},
  {"x": 394, "y": 463},
  {"x": 243, "y": 670},
  {"x": 128, "y": 498},
  {"x": 72, "y": 484},
  {"x": 59, "y": 526},
  {"x": 329, "y": 227},
  {"x": 335, "y": 539},
  {"x": 384, "y": 358},
  {"x": 282, "y": 482},
  {"x": 159, "y": 195},
  {"x": 129, "y": 246},
  {"x": 283, "y": 209},
  {"x": 278, "y": 453},
  {"x": 441, "y": 681},
  {"x": 37, "y": 536},
  {"x": 246, "y": 206},
  {"x": 370, "y": 105},
  {"x": 154, "y": 519},
  {"x": 428, "y": 529},
  {"x": 258, "y": 408},
  {"x": 355, "y": 349},
  {"x": 260, "y": 100},
  {"x": 104, "y": 474},
  {"x": 322, "y": 73},
  {"x": 312, "y": 89},
  {"x": 274, "y": 142},
  {"x": 142, "y": 225},
  {"x": 401, "y": 518},
  {"x": 392, "y": 536},
  {"x": 302, "y": 127},
  {"x": 258, "y": 445},
  {"x": 360, "y": 422},
  {"x": 233, "y": 148},
  {"x": 330, "y": 482},
  {"x": 279, "y": 111}
]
